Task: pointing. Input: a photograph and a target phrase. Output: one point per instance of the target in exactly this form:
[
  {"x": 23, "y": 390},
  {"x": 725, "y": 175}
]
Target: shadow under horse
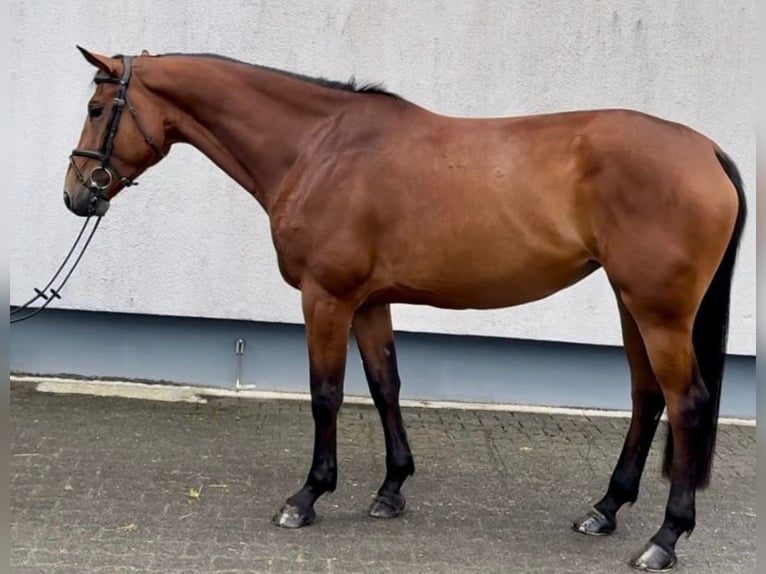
[{"x": 374, "y": 200}]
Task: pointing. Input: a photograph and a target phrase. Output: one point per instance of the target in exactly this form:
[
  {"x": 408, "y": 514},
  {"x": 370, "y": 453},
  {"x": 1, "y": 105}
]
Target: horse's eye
[{"x": 95, "y": 111}]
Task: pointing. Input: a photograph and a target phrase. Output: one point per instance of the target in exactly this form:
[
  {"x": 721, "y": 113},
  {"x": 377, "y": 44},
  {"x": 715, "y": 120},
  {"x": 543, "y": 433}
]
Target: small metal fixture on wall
[{"x": 239, "y": 351}]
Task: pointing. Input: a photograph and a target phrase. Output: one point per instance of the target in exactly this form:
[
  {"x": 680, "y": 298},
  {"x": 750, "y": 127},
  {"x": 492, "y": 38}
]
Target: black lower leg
[
  {"x": 659, "y": 554},
  {"x": 688, "y": 442},
  {"x": 648, "y": 403},
  {"x": 626, "y": 478},
  {"x": 384, "y": 386},
  {"x": 624, "y": 483},
  {"x": 679, "y": 516},
  {"x": 299, "y": 511}
]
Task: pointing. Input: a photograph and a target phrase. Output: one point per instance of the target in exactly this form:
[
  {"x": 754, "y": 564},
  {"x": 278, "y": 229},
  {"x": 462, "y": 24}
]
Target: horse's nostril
[{"x": 67, "y": 201}]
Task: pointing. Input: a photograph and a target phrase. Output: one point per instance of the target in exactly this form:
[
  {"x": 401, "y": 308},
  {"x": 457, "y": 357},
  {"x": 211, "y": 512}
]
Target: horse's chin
[{"x": 102, "y": 206}]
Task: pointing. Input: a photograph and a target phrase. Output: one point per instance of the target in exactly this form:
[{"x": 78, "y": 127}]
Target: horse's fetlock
[
  {"x": 680, "y": 515},
  {"x": 323, "y": 478},
  {"x": 401, "y": 465},
  {"x": 623, "y": 487}
]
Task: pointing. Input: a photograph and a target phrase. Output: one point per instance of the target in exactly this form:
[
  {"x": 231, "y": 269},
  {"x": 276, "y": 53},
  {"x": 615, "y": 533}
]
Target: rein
[{"x": 18, "y": 315}]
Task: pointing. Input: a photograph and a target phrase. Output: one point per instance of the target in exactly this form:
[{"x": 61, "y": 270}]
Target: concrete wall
[
  {"x": 188, "y": 242},
  {"x": 432, "y": 367}
]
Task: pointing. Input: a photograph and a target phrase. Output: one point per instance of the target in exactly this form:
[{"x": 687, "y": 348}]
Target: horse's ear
[
  {"x": 106, "y": 65},
  {"x": 145, "y": 53}
]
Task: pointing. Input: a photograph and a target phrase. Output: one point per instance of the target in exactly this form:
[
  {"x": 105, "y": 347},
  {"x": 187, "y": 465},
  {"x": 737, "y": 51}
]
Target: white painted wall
[{"x": 188, "y": 242}]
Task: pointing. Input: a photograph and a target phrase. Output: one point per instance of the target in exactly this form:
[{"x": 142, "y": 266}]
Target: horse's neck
[{"x": 249, "y": 121}]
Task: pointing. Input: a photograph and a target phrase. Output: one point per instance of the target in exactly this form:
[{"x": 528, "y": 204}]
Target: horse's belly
[{"x": 491, "y": 287}]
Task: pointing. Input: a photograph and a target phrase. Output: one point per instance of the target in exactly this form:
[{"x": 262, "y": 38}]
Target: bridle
[
  {"x": 98, "y": 182},
  {"x": 101, "y": 177}
]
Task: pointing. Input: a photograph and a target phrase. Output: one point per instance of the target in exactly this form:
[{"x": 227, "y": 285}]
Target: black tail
[{"x": 710, "y": 335}]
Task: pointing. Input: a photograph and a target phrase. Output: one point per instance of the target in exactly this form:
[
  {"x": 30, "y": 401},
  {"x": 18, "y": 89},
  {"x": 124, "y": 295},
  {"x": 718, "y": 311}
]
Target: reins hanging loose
[{"x": 48, "y": 293}]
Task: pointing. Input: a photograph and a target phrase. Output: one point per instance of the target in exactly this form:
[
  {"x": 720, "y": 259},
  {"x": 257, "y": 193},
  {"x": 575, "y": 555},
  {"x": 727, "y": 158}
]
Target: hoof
[
  {"x": 594, "y": 523},
  {"x": 653, "y": 558},
  {"x": 294, "y": 517},
  {"x": 389, "y": 506}
]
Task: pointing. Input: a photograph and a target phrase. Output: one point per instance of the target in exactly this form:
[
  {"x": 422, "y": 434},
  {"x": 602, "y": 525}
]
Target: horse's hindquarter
[{"x": 662, "y": 208}]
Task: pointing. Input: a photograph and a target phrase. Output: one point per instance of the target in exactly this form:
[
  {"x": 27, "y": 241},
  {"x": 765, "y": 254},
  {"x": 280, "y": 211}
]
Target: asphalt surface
[{"x": 107, "y": 485}]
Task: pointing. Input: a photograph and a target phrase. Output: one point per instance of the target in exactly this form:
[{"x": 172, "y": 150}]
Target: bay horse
[{"x": 374, "y": 200}]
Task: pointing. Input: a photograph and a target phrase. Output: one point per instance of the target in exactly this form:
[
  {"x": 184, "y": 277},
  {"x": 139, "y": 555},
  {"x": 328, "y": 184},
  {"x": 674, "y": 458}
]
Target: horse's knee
[
  {"x": 386, "y": 395},
  {"x": 326, "y": 399},
  {"x": 384, "y": 388}
]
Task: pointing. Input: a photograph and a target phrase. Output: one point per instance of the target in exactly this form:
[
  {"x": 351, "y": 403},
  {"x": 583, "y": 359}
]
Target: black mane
[{"x": 350, "y": 86}]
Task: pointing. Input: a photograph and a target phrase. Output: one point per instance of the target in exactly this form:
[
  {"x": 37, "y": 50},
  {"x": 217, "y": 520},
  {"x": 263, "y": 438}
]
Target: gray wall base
[{"x": 436, "y": 367}]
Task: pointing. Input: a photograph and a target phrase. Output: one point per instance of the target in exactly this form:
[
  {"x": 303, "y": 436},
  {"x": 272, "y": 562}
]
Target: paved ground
[{"x": 99, "y": 485}]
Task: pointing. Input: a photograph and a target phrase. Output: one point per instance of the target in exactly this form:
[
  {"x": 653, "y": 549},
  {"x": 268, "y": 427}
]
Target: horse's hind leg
[
  {"x": 670, "y": 349},
  {"x": 375, "y": 337},
  {"x": 648, "y": 404},
  {"x": 327, "y": 329}
]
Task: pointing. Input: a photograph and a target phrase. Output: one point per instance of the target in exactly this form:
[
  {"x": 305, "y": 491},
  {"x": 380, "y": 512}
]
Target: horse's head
[{"x": 123, "y": 136}]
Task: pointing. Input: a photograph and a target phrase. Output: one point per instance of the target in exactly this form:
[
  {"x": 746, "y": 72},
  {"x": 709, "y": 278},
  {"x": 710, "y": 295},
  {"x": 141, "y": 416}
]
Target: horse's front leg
[
  {"x": 328, "y": 321},
  {"x": 375, "y": 337}
]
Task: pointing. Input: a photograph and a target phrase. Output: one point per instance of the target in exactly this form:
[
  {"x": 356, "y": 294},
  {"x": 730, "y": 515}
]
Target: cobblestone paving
[{"x": 102, "y": 485}]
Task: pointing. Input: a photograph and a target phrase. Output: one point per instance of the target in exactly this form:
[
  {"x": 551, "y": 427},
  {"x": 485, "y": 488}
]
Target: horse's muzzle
[{"x": 83, "y": 203}]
